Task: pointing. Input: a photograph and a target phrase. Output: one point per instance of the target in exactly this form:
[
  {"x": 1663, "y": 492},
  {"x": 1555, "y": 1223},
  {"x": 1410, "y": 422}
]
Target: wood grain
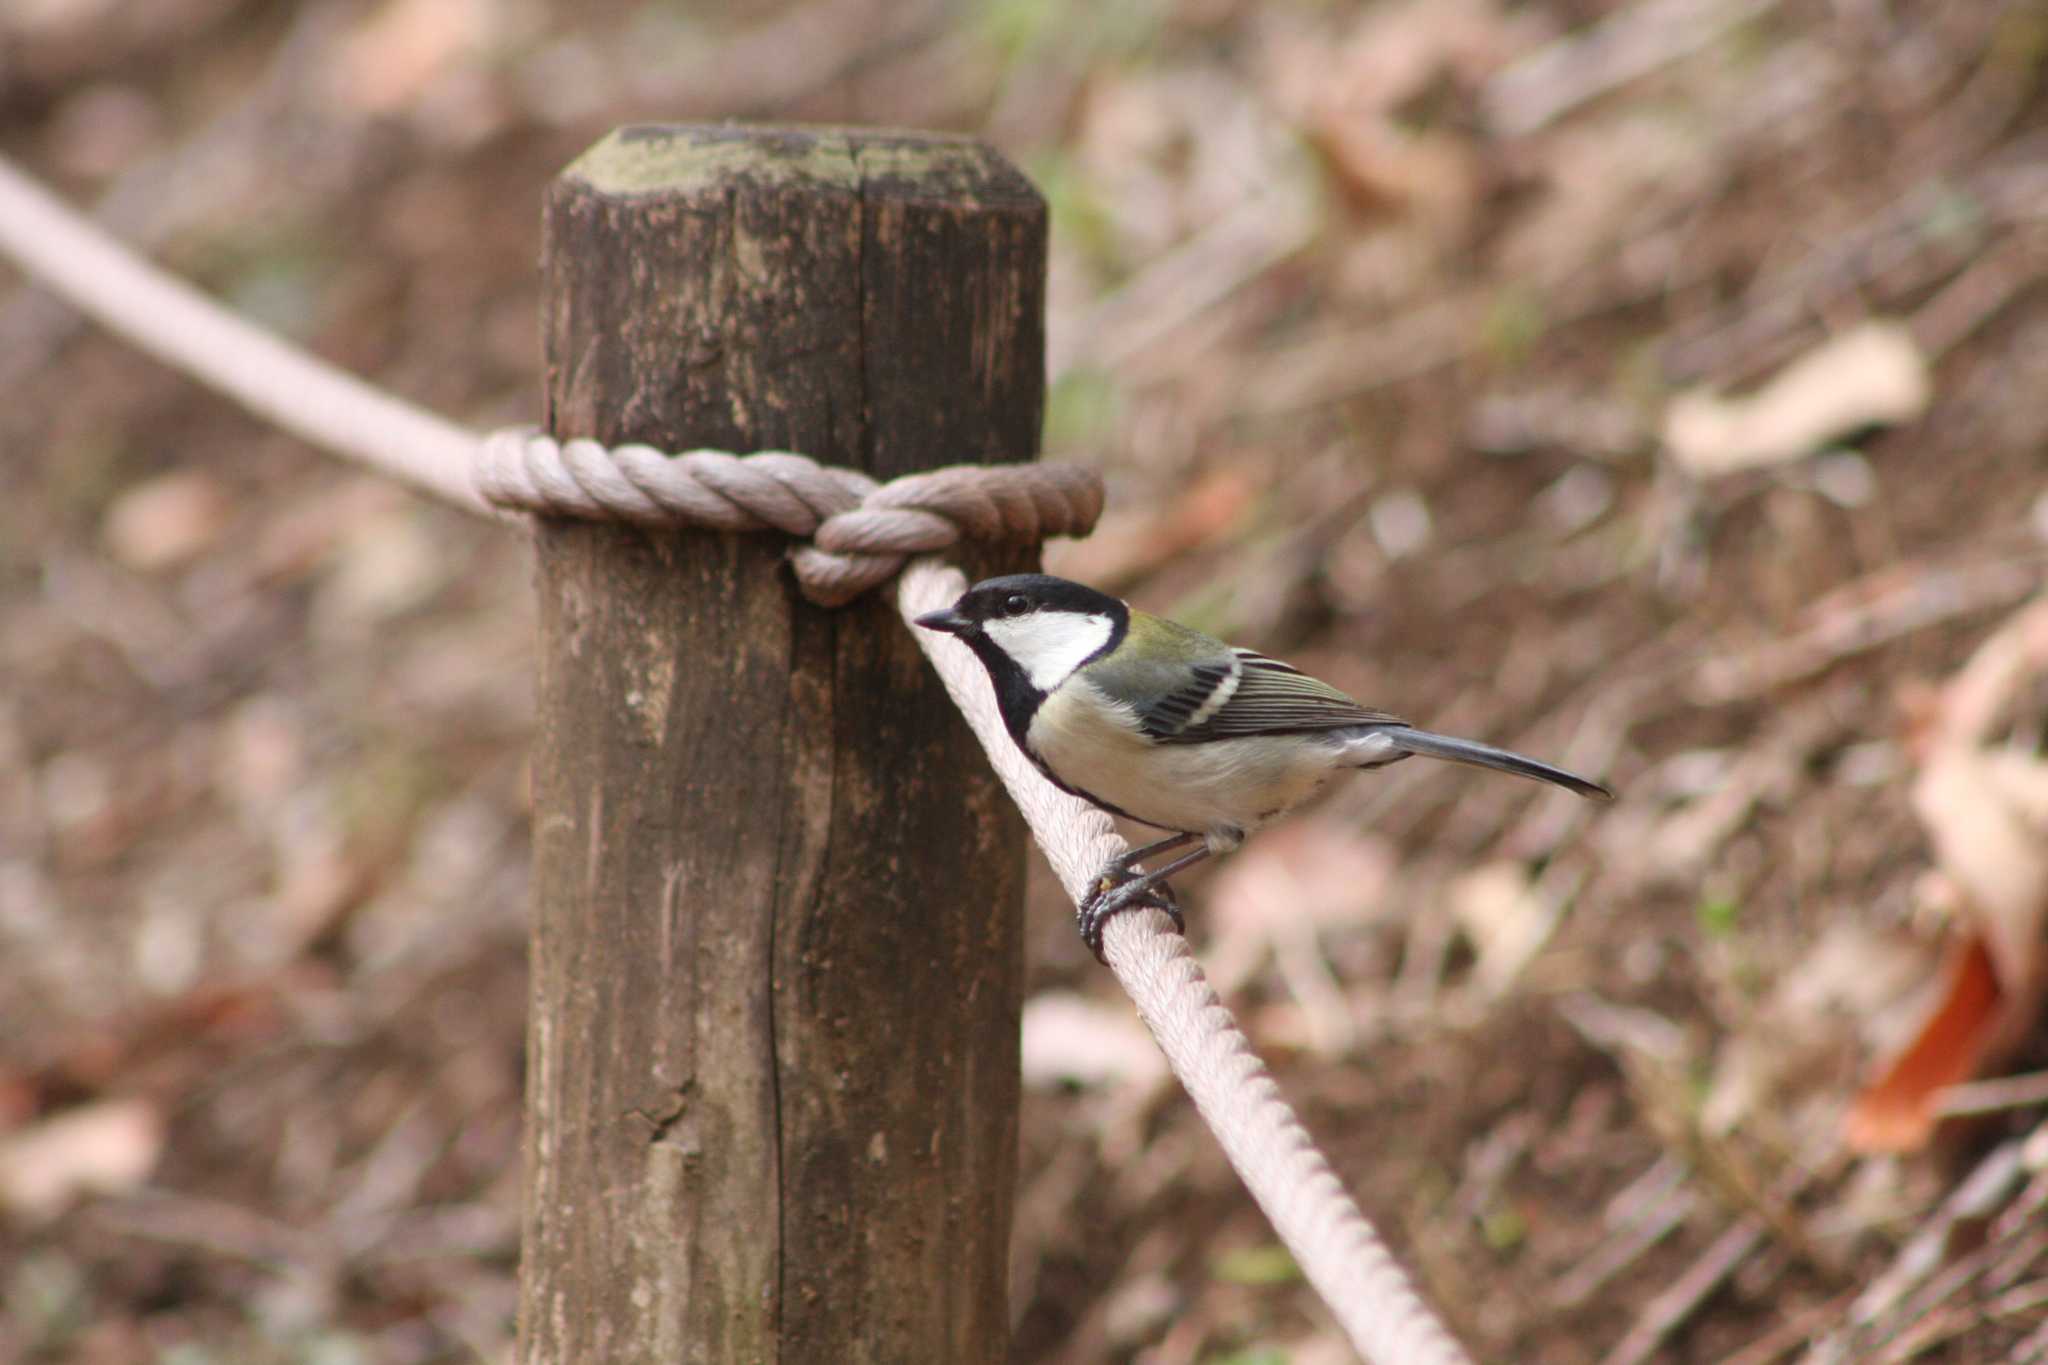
[{"x": 777, "y": 941}]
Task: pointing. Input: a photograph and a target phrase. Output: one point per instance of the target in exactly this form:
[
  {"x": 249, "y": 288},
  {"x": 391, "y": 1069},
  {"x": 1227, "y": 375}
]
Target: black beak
[{"x": 950, "y": 621}]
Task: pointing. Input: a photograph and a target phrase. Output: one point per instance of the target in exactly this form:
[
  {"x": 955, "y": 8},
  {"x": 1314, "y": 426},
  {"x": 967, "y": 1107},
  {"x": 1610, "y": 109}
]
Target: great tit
[{"x": 1172, "y": 728}]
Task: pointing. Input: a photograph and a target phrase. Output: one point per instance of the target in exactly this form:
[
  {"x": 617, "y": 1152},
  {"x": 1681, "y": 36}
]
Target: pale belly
[{"x": 1224, "y": 789}]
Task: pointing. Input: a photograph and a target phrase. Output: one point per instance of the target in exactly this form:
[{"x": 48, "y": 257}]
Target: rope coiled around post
[
  {"x": 859, "y": 533},
  {"x": 860, "y": 530}
]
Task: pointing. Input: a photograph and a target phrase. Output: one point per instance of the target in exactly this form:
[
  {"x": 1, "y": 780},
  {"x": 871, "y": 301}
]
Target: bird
[{"x": 1163, "y": 725}]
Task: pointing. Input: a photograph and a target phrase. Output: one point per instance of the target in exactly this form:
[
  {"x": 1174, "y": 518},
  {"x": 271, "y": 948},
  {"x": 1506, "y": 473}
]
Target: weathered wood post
[{"x": 772, "y": 1070}]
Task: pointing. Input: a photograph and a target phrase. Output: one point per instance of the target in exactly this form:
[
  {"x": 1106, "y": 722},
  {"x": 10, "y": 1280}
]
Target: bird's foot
[{"x": 1117, "y": 888}]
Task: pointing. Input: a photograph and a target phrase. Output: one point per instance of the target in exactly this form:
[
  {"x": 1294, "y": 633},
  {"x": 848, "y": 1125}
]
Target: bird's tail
[{"x": 1404, "y": 739}]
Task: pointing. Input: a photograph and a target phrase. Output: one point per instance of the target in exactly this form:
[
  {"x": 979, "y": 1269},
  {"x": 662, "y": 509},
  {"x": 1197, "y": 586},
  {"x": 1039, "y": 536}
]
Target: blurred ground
[{"x": 1391, "y": 327}]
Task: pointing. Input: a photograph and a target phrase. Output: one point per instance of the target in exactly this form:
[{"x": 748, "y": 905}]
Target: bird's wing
[
  {"x": 1185, "y": 687},
  {"x": 1168, "y": 676},
  {"x": 1227, "y": 693},
  {"x": 1270, "y": 697}
]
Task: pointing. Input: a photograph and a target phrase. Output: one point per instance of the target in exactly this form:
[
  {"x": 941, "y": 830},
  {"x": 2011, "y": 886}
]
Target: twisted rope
[
  {"x": 860, "y": 531},
  {"x": 190, "y": 332},
  {"x": 1336, "y": 1248}
]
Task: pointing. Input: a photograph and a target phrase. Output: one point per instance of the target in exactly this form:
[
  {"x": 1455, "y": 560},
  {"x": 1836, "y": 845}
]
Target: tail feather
[{"x": 1408, "y": 740}]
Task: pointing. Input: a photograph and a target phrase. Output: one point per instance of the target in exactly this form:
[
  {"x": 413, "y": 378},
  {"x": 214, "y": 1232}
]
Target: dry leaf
[
  {"x": 386, "y": 567},
  {"x": 100, "y": 1148},
  {"x": 1895, "y": 1112},
  {"x": 1796, "y": 1040},
  {"x": 1965, "y": 708},
  {"x": 1601, "y": 183},
  {"x": 1347, "y": 101},
  {"x": 1986, "y": 811},
  {"x": 1870, "y": 375},
  {"x": 1503, "y": 918},
  {"x": 1385, "y": 170},
  {"x": 167, "y": 520}
]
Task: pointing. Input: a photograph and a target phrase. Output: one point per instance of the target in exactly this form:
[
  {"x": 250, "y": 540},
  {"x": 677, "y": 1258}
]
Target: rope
[
  {"x": 1331, "y": 1241},
  {"x": 860, "y": 530},
  {"x": 860, "y": 533},
  {"x": 188, "y": 331}
]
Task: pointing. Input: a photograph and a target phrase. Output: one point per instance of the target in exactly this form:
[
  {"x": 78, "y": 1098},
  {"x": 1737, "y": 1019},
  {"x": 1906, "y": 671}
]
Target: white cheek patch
[{"x": 1048, "y": 645}]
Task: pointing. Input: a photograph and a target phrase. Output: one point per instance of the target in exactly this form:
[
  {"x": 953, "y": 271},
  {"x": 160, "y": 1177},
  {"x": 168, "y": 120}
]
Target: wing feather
[
  {"x": 1276, "y": 698},
  {"x": 1185, "y": 687},
  {"x": 1171, "y": 716}
]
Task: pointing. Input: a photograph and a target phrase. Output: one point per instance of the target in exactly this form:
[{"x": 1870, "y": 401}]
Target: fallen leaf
[
  {"x": 166, "y": 520},
  {"x": 1895, "y": 1112},
  {"x": 1986, "y": 811},
  {"x": 1503, "y": 918},
  {"x": 1400, "y": 522},
  {"x": 1598, "y": 186},
  {"x": 100, "y": 1148},
  {"x": 1389, "y": 171},
  {"x": 1796, "y": 1040},
  {"x": 1965, "y": 708},
  {"x": 1871, "y": 375}
]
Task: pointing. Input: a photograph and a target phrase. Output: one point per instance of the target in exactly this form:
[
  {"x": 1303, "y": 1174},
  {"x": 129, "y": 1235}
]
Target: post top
[{"x": 686, "y": 159}]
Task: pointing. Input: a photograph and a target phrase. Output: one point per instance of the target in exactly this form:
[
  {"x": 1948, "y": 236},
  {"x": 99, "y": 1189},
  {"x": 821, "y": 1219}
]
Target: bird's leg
[
  {"x": 1108, "y": 898},
  {"x": 1118, "y": 869},
  {"x": 1116, "y": 889},
  {"x": 1121, "y": 871}
]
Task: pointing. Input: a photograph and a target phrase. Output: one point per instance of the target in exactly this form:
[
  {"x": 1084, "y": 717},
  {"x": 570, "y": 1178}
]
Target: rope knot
[{"x": 859, "y": 531}]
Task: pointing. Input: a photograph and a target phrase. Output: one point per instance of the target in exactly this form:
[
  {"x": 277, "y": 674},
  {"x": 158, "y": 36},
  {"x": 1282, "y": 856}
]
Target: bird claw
[{"x": 1118, "y": 888}]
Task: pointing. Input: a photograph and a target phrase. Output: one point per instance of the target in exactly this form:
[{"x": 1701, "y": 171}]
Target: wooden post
[{"x": 772, "y": 1060}]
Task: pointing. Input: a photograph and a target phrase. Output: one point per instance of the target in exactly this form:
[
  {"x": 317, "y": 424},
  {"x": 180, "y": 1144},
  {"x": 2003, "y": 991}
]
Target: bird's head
[{"x": 1042, "y": 627}]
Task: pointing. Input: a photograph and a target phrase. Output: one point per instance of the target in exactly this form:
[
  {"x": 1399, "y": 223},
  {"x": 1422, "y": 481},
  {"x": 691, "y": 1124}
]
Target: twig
[
  {"x": 1665, "y": 1313},
  {"x": 1993, "y": 1096},
  {"x": 1755, "y": 334},
  {"x": 1630, "y": 43},
  {"x": 1986, "y": 1188},
  {"x": 2033, "y": 1349},
  {"x": 1617, "y": 1253},
  {"x": 1786, "y": 1335},
  {"x": 1874, "y": 610},
  {"x": 1979, "y": 294},
  {"x": 1929, "y": 1330}
]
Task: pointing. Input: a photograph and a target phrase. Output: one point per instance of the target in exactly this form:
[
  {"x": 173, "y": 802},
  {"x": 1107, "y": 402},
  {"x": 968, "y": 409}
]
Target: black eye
[{"x": 1016, "y": 604}]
